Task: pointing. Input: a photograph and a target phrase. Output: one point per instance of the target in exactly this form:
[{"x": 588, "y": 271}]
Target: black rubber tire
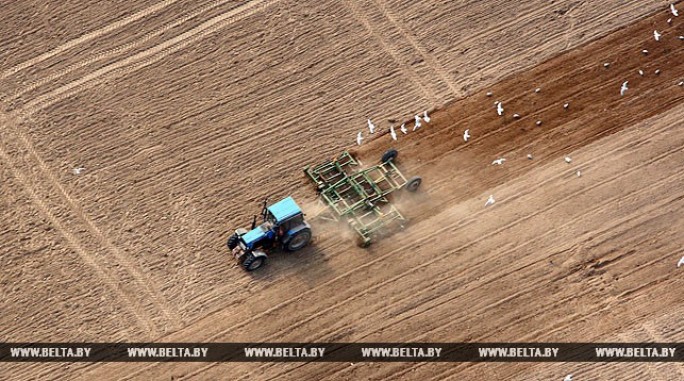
[
  {"x": 252, "y": 263},
  {"x": 389, "y": 155},
  {"x": 299, "y": 240},
  {"x": 362, "y": 242},
  {"x": 413, "y": 183},
  {"x": 233, "y": 241}
]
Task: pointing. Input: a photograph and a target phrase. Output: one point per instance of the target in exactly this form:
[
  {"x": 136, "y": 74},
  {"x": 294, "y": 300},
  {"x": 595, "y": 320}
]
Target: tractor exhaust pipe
[
  {"x": 254, "y": 222},
  {"x": 264, "y": 211}
]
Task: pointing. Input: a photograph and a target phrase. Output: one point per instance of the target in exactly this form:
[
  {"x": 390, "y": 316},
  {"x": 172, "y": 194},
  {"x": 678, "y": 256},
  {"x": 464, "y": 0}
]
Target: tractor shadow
[{"x": 308, "y": 264}]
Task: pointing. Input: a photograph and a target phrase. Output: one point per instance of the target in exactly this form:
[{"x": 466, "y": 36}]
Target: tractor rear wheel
[
  {"x": 233, "y": 241},
  {"x": 413, "y": 183},
  {"x": 389, "y": 155},
  {"x": 253, "y": 262},
  {"x": 299, "y": 240}
]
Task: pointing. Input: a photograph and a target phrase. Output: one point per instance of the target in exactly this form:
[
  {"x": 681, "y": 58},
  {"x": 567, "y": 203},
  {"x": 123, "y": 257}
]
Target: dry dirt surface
[{"x": 184, "y": 115}]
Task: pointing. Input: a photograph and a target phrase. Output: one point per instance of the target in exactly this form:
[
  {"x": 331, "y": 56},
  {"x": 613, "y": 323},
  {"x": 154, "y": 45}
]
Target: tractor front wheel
[
  {"x": 253, "y": 262},
  {"x": 233, "y": 241},
  {"x": 299, "y": 240}
]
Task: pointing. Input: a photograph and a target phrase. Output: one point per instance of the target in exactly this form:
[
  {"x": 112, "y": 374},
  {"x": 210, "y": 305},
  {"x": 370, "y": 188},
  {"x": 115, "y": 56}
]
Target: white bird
[
  {"x": 674, "y": 10},
  {"x": 466, "y": 135},
  {"x": 537, "y": 90},
  {"x": 529, "y": 156},
  {"x": 624, "y": 88},
  {"x": 359, "y": 138},
  {"x": 606, "y": 64},
  {"x": 403, "y": 129},
  {"x": 77, "y": 171},
  {"x": 566, "y": 106},
  {"x": 499, "y": 108},
  {"x": 539, "y": 123},
  {"x": 490, "y": 201},
  {"x": 394, "y": 134},
  {"x": 498, "y": 161},
  {"x": 641, "y": 72},
  {"x": 417, "y": 124},
  {"x": 681, "y": 262},
  {"x": 579, "y": 173},
  {"x": 681, "y": 83},
  {"x": 568, "y": 159},
  {"x": 669, "y": 21},
  {"x": 516, "y": 116},
  {"x": 568, "y": 377},
  {"x": 489, "y": 93},
  {"x": 426, "y": 118},
  {"x": 644, "y": 51},
  {"x": 657, "y": 72},
  {"x": 371, "y": 126},
  {"x": 681, "y": 38},
  {"x": 656, "y": 35}
]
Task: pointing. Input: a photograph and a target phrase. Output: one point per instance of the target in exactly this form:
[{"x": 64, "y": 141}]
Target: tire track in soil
[
  {"x": 137, "y": 311},
  {"x": 556, "y": 304},
  {"x": 464, "y": 222},
  {"x": 567, "y": 93},
  {"x": 441, "y": 232},
  {"x": 156, "y": 297},
  {"x": 486, "y": 259},
  {"x": 428, "y": 94},
  {"x": 431, "y": 61},
  {"x": 553, "y": 305},
  {"x": 115, "y": 51},
  {"x": 513, "y": 197},
  {"x": 572, "y": 92},
  {"x": 87, "y": 37},
  {"x": 146, "y": 57}
]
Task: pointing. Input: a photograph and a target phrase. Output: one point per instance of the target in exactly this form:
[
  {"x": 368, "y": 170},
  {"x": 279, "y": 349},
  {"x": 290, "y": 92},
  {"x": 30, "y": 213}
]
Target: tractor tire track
[
  {"x": 156, "y": 297},
  {"x": 442, "y": 232},
  {"x": 109, "y": 53},
  {"x": 87, "y": 37},
  {"x": 134, "y": 308},
  {"x": 432, "y": 62},
  {"x": 427, "y": 94},
  {"x": 146, "y": 57}
]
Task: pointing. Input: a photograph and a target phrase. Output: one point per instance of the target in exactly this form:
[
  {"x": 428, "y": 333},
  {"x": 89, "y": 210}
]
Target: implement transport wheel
[
  {"x": 413, "y": 183},
  {"x": 389, "y": 155},
  {"x": 252, "y": 262},
  {"x": 233, "y": 241},
  {"x": 299, "y": 240},
  {"x": 362, "y": 241}
]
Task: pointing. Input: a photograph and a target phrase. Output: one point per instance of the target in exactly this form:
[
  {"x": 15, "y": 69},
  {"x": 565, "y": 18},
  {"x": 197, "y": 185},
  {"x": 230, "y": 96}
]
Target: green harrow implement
[{"x": 360, "y": 195}]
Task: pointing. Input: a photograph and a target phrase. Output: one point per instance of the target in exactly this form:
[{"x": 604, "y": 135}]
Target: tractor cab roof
[{"x": 284, "y": 209}]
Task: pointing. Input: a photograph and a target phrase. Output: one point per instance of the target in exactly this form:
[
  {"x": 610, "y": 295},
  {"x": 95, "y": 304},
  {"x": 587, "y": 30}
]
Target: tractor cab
[
  {"x": 282, "y": 226},
  {"x": 285, "y": 214}
]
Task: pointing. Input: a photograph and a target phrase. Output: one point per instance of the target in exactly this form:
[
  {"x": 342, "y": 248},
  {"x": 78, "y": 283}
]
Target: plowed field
[{"x": 184, "y": 115}]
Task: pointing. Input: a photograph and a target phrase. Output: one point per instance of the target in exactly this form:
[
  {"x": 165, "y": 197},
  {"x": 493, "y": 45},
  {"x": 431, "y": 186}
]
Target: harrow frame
[{"x": 359, "y": 196}]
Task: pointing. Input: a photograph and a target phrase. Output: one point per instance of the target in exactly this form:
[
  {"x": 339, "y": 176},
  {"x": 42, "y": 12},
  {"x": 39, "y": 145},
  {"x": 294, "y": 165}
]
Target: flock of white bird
[
  {"x": 500, "y": 111},
  {"x": 418, "y": 123}
]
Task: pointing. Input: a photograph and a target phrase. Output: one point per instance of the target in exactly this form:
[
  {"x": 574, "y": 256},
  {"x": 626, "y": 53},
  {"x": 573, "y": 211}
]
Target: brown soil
[{"x": 185, "y": 116}]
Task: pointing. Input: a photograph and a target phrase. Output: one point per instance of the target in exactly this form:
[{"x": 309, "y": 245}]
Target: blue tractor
[{"x": 282, "y": 227}]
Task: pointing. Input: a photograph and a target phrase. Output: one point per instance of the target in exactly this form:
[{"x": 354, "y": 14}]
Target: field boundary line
[
  {"x": 428, "y": 94},
  {"x": 156, "y": 297},
  {"x": 148, "y": 56},
  {"x": 87, "y": 37},
  {"x": 431, "y": 61},
  {"x": 140, "y": 315},
  {"x": 119, "y": 49}
]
